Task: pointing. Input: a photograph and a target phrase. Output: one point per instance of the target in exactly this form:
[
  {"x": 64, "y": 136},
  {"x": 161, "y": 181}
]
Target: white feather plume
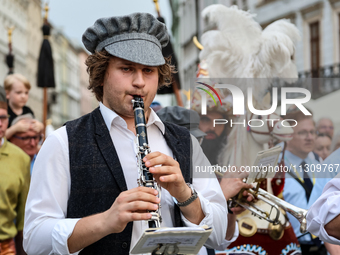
[{"x": 240, "y": 49}]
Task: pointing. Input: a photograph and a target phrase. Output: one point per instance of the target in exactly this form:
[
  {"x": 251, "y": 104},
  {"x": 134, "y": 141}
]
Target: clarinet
[{"x": 145, "y": 177}]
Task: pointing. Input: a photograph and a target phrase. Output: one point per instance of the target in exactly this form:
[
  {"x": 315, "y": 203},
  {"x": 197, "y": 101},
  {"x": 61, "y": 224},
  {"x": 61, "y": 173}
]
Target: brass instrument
[
  {"x": 145, "y": 177},
  {"x": 276, "y": 204}
]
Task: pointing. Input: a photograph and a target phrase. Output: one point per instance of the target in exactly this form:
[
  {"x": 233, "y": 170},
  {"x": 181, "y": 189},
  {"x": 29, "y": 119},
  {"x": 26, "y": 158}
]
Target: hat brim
[
  {"x": 197, "y": 133},
  {"x": 138, "y": 51}
]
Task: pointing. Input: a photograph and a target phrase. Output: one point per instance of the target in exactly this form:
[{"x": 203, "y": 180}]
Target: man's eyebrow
[{"x": 127, "y": 63}]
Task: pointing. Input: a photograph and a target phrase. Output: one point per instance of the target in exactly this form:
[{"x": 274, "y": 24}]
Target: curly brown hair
[{"x": 97, "y": 64}]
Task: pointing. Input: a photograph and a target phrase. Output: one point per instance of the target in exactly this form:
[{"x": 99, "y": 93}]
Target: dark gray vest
[{"x": 97, "y": 177}]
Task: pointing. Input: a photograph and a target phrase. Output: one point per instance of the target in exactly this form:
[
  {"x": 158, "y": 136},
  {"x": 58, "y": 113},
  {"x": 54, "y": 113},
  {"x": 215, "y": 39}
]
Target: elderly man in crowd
[
  {"x": 325, "y": 126},
  {"x": 28, "y": 141}
]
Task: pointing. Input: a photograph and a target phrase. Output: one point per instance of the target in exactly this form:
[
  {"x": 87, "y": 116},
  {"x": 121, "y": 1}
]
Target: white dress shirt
[
  {"x": 326, "y": 207},
  {"x": 47, "y": 229}
]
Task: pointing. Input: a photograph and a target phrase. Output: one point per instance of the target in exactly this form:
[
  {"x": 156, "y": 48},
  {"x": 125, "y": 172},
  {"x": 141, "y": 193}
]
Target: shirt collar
[
  {"x": 111, "y": 117},
  {"x": 295, "y": 160}
]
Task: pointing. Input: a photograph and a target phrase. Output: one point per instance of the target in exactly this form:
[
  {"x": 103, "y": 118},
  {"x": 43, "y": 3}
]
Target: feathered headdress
[{"x": 239, "y": 48}]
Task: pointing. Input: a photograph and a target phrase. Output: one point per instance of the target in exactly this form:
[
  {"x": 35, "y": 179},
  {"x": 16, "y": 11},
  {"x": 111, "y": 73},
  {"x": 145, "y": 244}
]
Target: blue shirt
[
  {"x": 32, "y": 162},
  {"x": 332, "y": 162},
  {"x": 294, "y": 193}
]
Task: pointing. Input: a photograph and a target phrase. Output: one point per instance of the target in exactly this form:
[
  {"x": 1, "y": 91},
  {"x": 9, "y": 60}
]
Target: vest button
[{"x": 124, "y": 245}]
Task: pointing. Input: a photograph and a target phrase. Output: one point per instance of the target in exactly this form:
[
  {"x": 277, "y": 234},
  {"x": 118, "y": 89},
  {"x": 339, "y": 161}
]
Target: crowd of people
[
  {"x": 20, "y": 135},
  {"x": 77, "y": 192}
]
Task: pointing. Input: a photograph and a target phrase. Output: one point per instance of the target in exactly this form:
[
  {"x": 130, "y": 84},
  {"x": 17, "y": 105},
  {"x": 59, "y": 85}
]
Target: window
[
  {"x": 315, "y": 48},
  {"x": 245, "y": 5}
]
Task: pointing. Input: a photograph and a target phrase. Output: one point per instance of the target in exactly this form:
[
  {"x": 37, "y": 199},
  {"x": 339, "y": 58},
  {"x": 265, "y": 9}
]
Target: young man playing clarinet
[{"x": 84, "y": 196}]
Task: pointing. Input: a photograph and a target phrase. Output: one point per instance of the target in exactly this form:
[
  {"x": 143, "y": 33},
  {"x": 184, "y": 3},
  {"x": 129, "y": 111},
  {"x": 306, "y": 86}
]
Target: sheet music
[
  {"x": 265, "y": 164},
  {"x": 188, "y": 240}
]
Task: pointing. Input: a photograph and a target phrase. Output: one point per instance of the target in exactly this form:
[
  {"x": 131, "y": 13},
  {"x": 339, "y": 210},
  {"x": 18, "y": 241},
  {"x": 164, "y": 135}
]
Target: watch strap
[{"x": 190, "y": 199}]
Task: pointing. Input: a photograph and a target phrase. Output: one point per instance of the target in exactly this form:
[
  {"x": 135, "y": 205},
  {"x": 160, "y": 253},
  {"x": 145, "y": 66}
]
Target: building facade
[
  {"x": 25, "y": 17},
  {"x": 187, "y": 23},
  {"x": 68, "y": 100},
  {"x": 318, "y": 22},
  {"x": 65, "y": 98},
  {"x": 317, "y": 54}
]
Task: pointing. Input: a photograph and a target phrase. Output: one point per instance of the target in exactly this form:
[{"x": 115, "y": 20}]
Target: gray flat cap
[
  {"x": 182, "y": 117},
  {"x": 138, "y": 37}
]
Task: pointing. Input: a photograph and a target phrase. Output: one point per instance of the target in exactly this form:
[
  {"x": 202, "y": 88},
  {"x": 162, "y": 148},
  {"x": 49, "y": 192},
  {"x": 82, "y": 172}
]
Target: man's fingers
[
  {"x": 247, "y": 186},
  {"x": 139, "y": 194},
  {"x": 140, "y": 206},
  {"x": 141, "y": 189},
  {"x": 249, "y": 196},
  {"x": 237, "y": 210},
  {"x": 140, "y": 216},
  {"x": 134, "y": 216},
  {"x": 164, "y": 170},
  {"x": 168, "y": 178},
  {"x": 157, "y": 158},
  {"x": 153, "y": 154}
]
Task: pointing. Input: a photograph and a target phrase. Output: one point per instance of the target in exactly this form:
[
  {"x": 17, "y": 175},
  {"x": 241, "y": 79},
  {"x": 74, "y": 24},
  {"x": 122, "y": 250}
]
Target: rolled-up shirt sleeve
[
  {"x": 46, "y": 230},
  {"x": 212, "y": 200},
  {"x": 325, "y": 209},
  {"x": 226, "y": 243}
]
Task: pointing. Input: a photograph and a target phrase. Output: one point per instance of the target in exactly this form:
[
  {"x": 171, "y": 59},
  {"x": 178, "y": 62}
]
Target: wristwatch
[{"x": 190, "y": 199}]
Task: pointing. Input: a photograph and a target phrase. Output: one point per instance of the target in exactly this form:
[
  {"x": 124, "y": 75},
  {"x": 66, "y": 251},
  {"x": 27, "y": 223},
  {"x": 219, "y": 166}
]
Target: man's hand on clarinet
[
  {"x": 168, "y": 175},
  {"x": 131, "y": 205}
]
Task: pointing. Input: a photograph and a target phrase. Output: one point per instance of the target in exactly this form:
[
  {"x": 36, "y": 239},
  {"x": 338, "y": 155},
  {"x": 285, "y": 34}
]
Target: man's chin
[{"x": 308, "y": 148}]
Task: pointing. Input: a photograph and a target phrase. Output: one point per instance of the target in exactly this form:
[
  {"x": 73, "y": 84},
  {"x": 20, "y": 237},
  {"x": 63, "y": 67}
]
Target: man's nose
[
  {"x": 138, "y": 79},
  {"x": 33, "y": 142},
  {"x": 310, "y": 135}
]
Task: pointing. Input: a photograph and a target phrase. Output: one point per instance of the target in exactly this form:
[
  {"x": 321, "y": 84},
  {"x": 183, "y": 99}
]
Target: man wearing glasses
[
  {"x": 28, "y": 141},
  {"x": 298, "y": 188},
  {"x": 14, "y": 185}
]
